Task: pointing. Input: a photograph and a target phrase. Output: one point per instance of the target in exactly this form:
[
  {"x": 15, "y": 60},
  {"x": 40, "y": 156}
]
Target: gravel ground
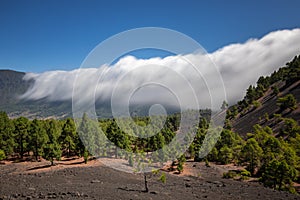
[{"x": 74, "y": 180}]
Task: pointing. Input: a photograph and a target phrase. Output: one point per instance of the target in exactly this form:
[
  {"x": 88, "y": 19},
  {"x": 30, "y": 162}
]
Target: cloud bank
[{"x": 173, "y": 80}]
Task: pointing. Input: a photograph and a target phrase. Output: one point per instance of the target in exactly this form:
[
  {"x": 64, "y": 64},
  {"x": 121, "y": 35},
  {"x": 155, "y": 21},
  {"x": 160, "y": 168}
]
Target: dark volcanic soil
[{"x": 95, "y": 181}]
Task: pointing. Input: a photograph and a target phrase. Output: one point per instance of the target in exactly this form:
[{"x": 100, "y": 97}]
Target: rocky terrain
[
  {"x": 72, "y": 179},
  {"x": 243, "y": 124}
]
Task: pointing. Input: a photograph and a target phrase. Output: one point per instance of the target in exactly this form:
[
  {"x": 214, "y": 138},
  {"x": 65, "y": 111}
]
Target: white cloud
[{"x": 239, "y": 65}]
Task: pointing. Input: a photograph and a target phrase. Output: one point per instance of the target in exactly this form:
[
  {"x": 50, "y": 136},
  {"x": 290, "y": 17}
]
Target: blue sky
[{"x": 38, "y": 36}]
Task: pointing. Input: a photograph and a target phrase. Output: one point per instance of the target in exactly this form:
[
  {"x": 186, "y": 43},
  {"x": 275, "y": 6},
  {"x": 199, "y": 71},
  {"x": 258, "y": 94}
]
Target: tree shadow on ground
[
  {"x": 73, "y": 163},
  {"x": 20, "y": 160},
  {"x": 55, "y": 164},
  {"x": 130, "y": 190},
  {"x": 39, "y": 167}
]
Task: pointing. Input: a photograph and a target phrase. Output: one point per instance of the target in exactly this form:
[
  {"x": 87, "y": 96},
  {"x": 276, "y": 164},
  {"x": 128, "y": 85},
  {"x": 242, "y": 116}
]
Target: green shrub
[
  {"x": 180, "y": 167},
  {"x": 267, "y": 116},
  {"x": 2, "y": 155},
  {"x": 163, "y": 178},
  {"x": 245, "y": 172},
  {"x": 288, "y": 101},
  {"x": 275, "y": 90},
  {"x": 292, "y": 190},
  {"x": 256, "y": 104},
  {"x": 229, "y": 174},
  {"x": 206, "y": 163},
  {"x": 130, "y": 161},
  {"x": 86, "y": 156}
]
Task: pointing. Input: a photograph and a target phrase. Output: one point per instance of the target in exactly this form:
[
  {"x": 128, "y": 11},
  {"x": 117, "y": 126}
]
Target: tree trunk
[
  {"x": 21, "y": 151},
  {"x": 146, "y": 183},
  {"x": 36, "y": 151},
  {"x": 69, "y": 150},
  {"x": 280, "y": 182},
  {"x": 274, "y": 184}
]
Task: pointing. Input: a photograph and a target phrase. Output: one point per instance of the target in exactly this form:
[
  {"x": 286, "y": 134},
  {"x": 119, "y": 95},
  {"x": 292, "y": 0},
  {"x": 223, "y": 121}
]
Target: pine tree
[
  {"x": 52, "y": 149},
  {"x": 286, "y": 102},
  {"x": 278, "y": 174},
  {"x": 225, "y": 155},
  {"x": 251, "y": 154},
  {"x": 21, "y": 133},
  {"x": 224, "y": 105},
  {"x": 68, "y": 136},
  {"x": 181, "y": 161},
  {"x": 290, "y": 128},
  {"x": 2, "y": 155},
  {"x": 7, "y": 139},
  {"x": 38, "y": 137},
  {"x": 88, "y": 130}
]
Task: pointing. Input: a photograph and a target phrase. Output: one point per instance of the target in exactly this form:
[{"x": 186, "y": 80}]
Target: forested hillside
[
  {"x": 270, "y": 102},
  {"x": 268, "y": 121}
]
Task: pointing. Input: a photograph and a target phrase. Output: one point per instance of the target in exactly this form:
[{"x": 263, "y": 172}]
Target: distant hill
[
  {"x": 12, "y": 86},
  {"x": 260, "y": 105}
]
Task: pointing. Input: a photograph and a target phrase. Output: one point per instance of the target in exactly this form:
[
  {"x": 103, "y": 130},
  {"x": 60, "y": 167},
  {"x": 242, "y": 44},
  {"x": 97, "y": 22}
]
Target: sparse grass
[{"x": 163, "y": 178}]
